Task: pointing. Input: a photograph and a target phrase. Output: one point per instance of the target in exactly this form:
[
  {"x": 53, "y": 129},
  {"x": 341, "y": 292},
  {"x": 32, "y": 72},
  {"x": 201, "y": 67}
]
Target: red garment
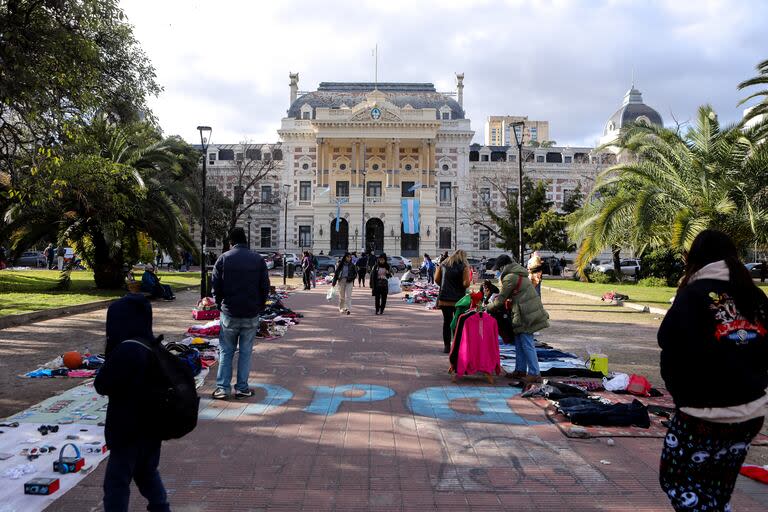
[
  {"x": 204, "y": 331},
  {"x": 759, "y": 473},
  {"x": 479, "y": 349}
]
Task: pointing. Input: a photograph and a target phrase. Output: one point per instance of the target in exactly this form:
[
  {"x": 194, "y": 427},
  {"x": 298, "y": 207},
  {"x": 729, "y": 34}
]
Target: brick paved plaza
[{"x": 350, "y": 414}]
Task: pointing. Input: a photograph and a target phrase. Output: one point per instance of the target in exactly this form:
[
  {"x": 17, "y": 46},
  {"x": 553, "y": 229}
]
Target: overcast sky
[{"x": 225, "y": 63}]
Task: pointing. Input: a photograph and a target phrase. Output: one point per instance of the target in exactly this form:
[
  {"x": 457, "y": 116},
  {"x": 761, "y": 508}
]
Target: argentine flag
[{"x": 410, "y": 216}]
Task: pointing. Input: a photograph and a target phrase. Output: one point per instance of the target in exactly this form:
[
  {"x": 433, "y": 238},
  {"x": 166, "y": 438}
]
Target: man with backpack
[
  {"x": 241, "y": 288},
  {"x": 129, "y": 378}
]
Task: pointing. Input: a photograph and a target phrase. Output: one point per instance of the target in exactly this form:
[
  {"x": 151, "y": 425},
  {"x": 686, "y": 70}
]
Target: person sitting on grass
[{"x": 150, "y": 283}]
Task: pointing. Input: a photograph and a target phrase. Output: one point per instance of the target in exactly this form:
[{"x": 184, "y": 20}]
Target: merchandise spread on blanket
[{"x": 419, "y": 291}]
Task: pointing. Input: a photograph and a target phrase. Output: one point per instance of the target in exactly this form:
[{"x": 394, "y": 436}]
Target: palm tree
[
  {"x": 110, "y": 185},
  {"x": 670, "y": 187},
  {"x": 761, "y": 109}
]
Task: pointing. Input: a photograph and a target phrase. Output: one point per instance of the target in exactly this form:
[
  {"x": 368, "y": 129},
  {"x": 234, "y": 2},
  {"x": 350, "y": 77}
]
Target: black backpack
[{"x": 172, "y": 402}]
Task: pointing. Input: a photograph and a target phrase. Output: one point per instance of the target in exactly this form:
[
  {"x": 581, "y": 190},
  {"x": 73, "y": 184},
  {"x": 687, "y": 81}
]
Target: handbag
[{"x": 189, "y": 355}]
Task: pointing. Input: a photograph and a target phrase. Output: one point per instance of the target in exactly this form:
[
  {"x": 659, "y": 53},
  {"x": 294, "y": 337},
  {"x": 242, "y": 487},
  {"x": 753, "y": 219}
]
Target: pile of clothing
[
  {"x": 56, "y": 368},
  {"x": 552, "y": 362},
  {"x": 419, "y": 291}
]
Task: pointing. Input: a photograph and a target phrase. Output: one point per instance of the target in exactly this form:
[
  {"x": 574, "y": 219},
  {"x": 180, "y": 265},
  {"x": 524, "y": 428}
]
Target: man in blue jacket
[
  {"x": 127, "y": 377},
  {"x": 240, "y": 286}
]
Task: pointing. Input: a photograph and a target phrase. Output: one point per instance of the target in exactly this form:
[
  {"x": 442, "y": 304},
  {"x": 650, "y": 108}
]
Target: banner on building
[{"x": 410, "y": 216}]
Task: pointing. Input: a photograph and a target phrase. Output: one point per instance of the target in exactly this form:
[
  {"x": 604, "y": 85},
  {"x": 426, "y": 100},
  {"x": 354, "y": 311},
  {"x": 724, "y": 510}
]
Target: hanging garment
[
  {"x": 479, "y": 349},
  {"x": 453, "y": 357}
]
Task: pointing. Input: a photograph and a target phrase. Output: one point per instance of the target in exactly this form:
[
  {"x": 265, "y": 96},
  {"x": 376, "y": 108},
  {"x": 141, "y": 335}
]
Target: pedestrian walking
[
  {"x": 454, "y": 277},
  {"x": 240, "y": 286},
  {"x": 50, "y": 254},
  {"x": 60, "y": 253},
  {"x": 429, "y": 267},
  {"x": 527, "y": 315},
  {"x": 362, "y": 265},
  {"x": 128, "y": 376},
  {"x": 717, "y": 325},
  {"x": 306, "y": 270},
  {"x": 380, "y": 273},
  {"x": 535, "y": 270},
  {"x": 344, "y": 279}
]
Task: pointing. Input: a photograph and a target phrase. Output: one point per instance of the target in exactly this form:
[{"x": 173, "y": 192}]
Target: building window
[
  {"x": 446, "y": 238},
  {"x": 239, "y": 157},
  {"x": 374, "y": 189},
  {"x": 306, "y": 114},
  {"x": 266, "y": 237},
  {"x": 305, "y": 166},
  {"x": 267, "y": 157},
  {"x": 305, "y": 191},
  {"x": 446, "y": 167},
  {"x": 511, "y": 194},
  {"x": 568, "y": 159},
  {"x": 211, "y": 157},
  {"x": 253, "y": 154},
  {"x": 305, "y": 236},
  {"x": 534, "y": 133},
  {"x": 485, "y": 240},
  {"x": 484, "y": 158},
  {"x": 405, "y": 190},
  {"x": 266, "y": 193},
  {"x": 226, "y": 154},
  {"x": 408, "y": 167},
  {"x": 238, "y": 194},
  {"x": 540, "y": 159},
  {"x": 342, "y": 167},
  {"x": 445, "y": 192},
  {"x": 446, "y": 116},
  {"x": 512, "y": 158},
  {"x": 342, "y": 189},
  {"x": 375, "y": 167},
  {"x": 277, "y": 154},
  {"x": 485, "y": 196}
]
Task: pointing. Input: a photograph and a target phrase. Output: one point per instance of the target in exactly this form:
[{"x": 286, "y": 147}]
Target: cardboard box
[{"x": 41, "y": 486}]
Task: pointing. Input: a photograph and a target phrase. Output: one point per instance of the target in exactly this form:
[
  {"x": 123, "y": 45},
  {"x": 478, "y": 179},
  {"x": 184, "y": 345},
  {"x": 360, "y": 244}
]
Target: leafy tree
[
  {"x": 761, "y": 109},
  {"x": 574, "y": 200},
  {"x": 108, "y": 187},
  {"x": 670, "y": 187},
  {"x": 60, "y": 62},
  {"x": 548, "y": 143}
]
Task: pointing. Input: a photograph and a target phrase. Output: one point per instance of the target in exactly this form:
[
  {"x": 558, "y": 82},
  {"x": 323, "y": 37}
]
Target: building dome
[
  {"x": 632, "y": 110},
  {"x": 340, "y": 95}
]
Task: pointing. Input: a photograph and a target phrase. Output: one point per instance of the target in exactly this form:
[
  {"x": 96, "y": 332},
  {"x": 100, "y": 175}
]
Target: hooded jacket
[
  {"x": 711, "y": 356},
  {"x": 528, "y": 313}
]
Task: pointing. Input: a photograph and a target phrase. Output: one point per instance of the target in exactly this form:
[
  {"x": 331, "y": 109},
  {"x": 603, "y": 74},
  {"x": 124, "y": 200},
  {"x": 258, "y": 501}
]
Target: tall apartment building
[{"x": 498, "y": 130}]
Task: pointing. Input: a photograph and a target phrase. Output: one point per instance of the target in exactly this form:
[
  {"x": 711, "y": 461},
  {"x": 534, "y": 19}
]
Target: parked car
[
  {"x": 325, "y": 263},
  {"x": 34, "y": 259},
  {"x": 629, "y": 267},
  {"x": 551, "y": 266},
  {"x": 755, "y": 269},
  {"x": 291, "y": 258},
  {"x": 268, "y": 260},
  {"x": 399, "y": 263}
]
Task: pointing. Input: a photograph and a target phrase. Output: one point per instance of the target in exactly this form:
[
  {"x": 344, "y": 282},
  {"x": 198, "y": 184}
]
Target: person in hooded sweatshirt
[
  {"x": 126, "y": 378},
  {"x": 527, "y": 315},
  {"x": 714, "y": 362}
]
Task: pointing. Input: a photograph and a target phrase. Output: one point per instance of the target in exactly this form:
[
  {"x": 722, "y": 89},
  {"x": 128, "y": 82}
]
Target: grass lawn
[
  {"x": 655, "y": 297},
  {"x": 24, "y": 291}
]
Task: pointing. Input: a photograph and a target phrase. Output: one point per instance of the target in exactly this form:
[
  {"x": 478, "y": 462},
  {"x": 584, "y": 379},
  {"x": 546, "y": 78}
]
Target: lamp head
[
  {"x": 518, "y": 138},
  {"x": 205, "y": 136}
]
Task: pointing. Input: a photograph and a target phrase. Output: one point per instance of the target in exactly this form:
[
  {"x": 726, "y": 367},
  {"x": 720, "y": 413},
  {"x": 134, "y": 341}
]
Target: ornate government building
[{"x": 358, "y": 150}]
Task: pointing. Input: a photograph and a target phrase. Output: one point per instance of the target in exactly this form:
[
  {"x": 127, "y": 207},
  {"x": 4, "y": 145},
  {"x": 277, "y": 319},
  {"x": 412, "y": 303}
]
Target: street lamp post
[
  {"x": 205, "y": 137},
  {"x": 519, "y": 143},
  {"x": 286, "y": 189},
  {"x": 455, "y": 217},
  {"x": 248, "y": 222}
]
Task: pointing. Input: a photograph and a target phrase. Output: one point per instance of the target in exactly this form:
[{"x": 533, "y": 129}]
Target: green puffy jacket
[{"x": 528, "y": 313}]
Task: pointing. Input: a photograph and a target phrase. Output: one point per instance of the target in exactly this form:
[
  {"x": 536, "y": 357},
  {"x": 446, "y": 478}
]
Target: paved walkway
[{"x": 352, "y": 413}]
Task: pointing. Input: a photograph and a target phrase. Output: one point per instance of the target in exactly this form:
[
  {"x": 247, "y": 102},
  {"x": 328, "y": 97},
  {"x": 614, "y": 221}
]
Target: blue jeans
[
  {"x": 236, "y": 332},
  {"x": 525, "y": 354},
  {"x": 137, "y": 461}
]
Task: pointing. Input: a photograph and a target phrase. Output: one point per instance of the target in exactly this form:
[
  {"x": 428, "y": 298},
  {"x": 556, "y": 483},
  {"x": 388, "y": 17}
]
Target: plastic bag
[
  {"x": 619, "y": 382},
  {"x": 638, "y": 385},
  {"x": 393, "y": 285},
  {"x": 332, "y": 293}
]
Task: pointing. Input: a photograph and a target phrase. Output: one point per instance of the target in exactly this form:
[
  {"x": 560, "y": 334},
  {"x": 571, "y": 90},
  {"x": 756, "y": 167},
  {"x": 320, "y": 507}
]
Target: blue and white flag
[
  {"x": 410, "y": 216},
  {"x": 414, "y": 187}
]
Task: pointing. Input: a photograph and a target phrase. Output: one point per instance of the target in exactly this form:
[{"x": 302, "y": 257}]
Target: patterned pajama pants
[{"x": 701, "y": 460}]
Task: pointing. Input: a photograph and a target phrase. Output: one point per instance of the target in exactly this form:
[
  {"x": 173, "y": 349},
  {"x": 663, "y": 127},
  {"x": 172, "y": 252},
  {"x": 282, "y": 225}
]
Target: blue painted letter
[
  {"x": 491, "y": 401},
  {"x": 327, "y": 399}
]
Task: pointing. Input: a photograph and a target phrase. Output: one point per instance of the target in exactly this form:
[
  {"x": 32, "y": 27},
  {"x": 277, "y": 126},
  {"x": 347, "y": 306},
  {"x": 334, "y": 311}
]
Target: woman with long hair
[
  {"x": 344, "y": 279},
  {"x": 453, "y": 276},
  {"x": 714, "y": 362},
  {"x": 380, "y": 272}
]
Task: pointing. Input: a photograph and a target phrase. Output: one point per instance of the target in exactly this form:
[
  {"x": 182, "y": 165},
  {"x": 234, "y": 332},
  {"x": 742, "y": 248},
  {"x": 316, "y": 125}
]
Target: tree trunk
[
  {"x": 617, "y": 262},
  {"x": 107, "y": 269}
]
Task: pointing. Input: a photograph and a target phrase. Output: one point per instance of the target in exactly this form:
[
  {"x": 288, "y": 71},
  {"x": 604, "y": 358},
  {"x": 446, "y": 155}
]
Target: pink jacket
[{"x": 479, "y": 349}]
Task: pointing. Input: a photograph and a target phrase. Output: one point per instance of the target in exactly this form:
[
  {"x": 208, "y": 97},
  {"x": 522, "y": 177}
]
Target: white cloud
[{"x": 226, "y": 63}]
